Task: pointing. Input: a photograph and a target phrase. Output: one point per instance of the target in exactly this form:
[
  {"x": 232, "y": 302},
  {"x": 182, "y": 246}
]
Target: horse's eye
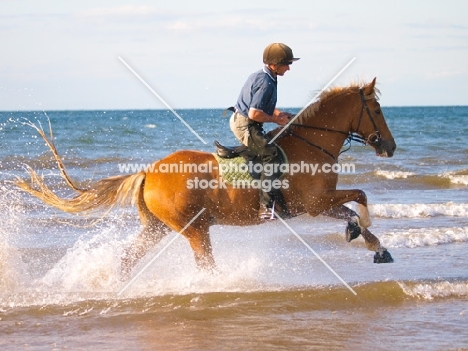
[{"x": 377, "y": 112}]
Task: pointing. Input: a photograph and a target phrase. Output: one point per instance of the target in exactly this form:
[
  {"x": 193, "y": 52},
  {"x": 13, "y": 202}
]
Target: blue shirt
[{"x": 259, "y": 92}]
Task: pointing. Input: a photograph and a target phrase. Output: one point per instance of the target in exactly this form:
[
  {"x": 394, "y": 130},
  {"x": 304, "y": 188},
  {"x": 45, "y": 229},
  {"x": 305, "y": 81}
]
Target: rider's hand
[{"x": 283, "y": 118}]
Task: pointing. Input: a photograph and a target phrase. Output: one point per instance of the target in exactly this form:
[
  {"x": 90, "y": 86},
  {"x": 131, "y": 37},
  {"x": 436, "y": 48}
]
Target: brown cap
[{"x": 278, "y": 54}]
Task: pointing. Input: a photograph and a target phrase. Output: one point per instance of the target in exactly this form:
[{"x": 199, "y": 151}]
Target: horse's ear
[{"x": 369, "y": 88}]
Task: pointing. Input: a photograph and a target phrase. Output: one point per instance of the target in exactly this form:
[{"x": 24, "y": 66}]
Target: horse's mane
[{"x": 330, "y": 93}]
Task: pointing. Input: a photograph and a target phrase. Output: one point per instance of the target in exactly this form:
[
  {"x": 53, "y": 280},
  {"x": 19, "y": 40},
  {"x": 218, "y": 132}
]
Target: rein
[{"x": 372, "y": 139}]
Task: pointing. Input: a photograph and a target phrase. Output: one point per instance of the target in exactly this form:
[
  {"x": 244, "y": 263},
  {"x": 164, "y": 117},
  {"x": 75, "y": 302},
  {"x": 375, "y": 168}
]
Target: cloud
[
  {"x": 436, "y": 24},
  {"x": 189, "y": 20},
  {"x": 209, "y": 21},
  {"x": 122, "y": 11},
  {"x": 443, "y": 74},
  {"x": 231, "y": 23}
]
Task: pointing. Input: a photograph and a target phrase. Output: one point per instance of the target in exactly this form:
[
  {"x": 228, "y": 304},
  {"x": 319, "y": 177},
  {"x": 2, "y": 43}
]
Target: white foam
[
  {"x": 433, "y": 290},
  {"x": 419, "y": 237},
  {"x": 183, "y": 277},
  {"x": 393, "y": 174},
  {"x": 93, "y": 265},
  {"x": 449, "y": 209},
  {"x": 9, "y": 272},
  {"x": 90, "y": 265},
  {"x": 460, "y": 179},
  {"x": 12, "y": 268}
]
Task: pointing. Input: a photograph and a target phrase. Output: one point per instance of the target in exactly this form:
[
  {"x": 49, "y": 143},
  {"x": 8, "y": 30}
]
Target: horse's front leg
[
  {"x": 334, "y": 201},
  {"x": 357, "y": 224},
  {"x": 354, "y": 227}
]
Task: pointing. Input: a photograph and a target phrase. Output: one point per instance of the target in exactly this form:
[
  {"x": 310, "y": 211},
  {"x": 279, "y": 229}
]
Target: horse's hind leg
[
  {"x": 153, "y": 231},
  {"x": 202, "y": 250},
  {"x": 199, "y": 239}
]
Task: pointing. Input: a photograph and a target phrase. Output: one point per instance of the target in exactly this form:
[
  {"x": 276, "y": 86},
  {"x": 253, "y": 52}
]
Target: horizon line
[{"x": 197, "y": 108}]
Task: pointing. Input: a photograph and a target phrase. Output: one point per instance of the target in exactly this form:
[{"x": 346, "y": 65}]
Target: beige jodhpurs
[{"x": 239, "y": 125}]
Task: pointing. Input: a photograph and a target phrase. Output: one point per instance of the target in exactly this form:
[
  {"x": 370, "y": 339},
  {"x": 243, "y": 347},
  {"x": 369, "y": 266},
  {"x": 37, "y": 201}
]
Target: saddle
[
  {"x": 235, "y": 154},
  {"x": 231, "y": 152},
  {"x": 234, "y": 151}
]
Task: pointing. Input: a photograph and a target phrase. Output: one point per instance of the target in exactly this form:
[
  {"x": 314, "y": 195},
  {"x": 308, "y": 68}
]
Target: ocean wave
[
  {"x": 435, "y": 290},
  {"x": 457, "y": 177},
  {"x": 449, "y": 209},
  {"x": 369, "y": 295},
  {"x": 419, "y": 237},
  {"x": 400, "y": 178}
]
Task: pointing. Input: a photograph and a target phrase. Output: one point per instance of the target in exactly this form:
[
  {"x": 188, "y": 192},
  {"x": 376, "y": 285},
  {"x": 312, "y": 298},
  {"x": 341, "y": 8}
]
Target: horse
[{"x": 166, "y": 203}]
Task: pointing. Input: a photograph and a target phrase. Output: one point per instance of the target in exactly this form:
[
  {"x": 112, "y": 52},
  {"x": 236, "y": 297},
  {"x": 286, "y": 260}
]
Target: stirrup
[
  {"x": 272, "y": 214},
  {"x": 265, "y": 213},
  {"x": 283, "y": 213}
]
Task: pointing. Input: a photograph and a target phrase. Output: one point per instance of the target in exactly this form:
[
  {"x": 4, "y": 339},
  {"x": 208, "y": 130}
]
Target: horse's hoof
[
  {"x": 352, "y": 231},
  {"x": 383, "y": 257}
]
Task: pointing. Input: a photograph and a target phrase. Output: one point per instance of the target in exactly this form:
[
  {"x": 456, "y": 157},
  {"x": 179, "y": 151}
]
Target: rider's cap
[{"x": 278, "y": 54}]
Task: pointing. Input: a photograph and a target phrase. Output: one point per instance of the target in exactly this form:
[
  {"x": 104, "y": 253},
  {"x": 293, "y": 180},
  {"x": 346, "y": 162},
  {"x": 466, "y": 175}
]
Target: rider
[{"x": 256, "y": 105}]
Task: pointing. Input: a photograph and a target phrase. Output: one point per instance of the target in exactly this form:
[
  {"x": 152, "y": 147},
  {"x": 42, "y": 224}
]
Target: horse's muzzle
[{"x": 385, "y": 148}]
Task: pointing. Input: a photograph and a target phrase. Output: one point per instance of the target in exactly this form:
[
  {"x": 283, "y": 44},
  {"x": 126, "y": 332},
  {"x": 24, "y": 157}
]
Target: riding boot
[
  {"x": 280, "y": 205},
  {"x": 273, "y": 209},
  {"x": 267, "y": 203},
  {"x": 272, "y": 201},
  {"x": 268, "y": 154}
]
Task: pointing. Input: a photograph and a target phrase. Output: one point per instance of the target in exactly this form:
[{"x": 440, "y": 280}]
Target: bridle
[{"x": 373, "y": 139}]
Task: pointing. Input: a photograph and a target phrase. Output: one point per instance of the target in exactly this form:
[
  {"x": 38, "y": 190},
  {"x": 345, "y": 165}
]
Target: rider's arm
[{"x": 262, "y": 117}]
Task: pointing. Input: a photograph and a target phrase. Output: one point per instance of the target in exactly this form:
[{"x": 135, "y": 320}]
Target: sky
[{"x": 64, "y": 55}]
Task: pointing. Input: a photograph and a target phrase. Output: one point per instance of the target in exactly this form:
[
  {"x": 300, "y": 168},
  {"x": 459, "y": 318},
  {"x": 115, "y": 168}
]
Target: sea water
[{"x": 59, "y": 273}]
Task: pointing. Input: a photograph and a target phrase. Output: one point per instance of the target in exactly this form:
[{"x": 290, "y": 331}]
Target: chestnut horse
[{"x": 165, "y": 201}]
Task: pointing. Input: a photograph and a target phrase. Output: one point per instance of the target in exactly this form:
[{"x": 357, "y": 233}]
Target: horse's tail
[{"x": 101, "y": 196}]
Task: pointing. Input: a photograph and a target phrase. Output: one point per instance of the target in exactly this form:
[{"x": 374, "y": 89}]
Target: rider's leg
[{"x": 269, "y": 154}]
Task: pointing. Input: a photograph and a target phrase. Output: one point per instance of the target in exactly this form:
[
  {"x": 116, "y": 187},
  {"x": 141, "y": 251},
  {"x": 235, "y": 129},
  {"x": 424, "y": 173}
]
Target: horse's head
[{"x": 371, "y": 124}]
